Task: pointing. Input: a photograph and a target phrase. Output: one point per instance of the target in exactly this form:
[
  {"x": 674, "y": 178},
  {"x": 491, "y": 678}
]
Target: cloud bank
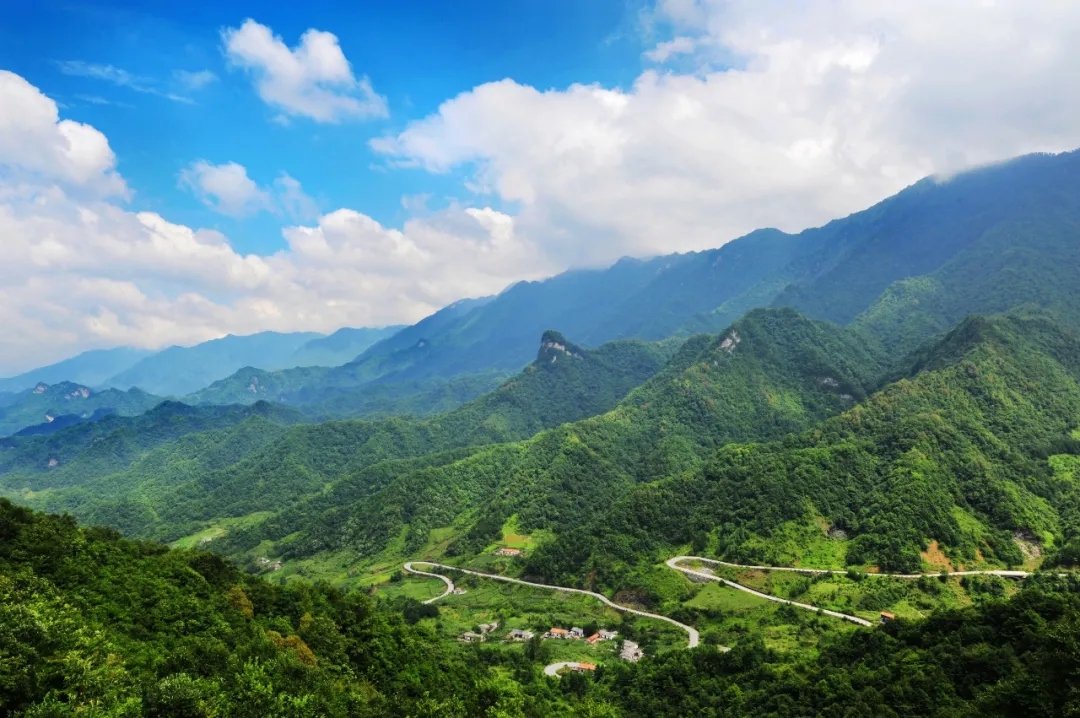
[{"x": 83, "y": 271}]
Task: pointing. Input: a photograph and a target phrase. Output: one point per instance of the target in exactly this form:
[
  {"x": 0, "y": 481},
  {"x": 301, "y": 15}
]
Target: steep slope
[
  {"x": 46, "y": 403},
  {"x": 182, "y": 370},
  {"x": 93, "y": 624},
  {"x": 1028, "y": 262},
  {"x": 698, "y": 282},
  {"x": 956, "y": 454},
  {"x": 772, "y": 373},
  {"x": 341, "y": 347},
  {"x": 181, "y": 483},
  {"x": 845, "y": 266},
  {"x": 90, "y": 368}
]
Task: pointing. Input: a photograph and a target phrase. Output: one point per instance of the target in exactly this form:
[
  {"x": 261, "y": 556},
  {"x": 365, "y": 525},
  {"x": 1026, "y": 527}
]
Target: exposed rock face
[
  {"x": 554, "y": 346},
  {"x": 730, "y": 342}
]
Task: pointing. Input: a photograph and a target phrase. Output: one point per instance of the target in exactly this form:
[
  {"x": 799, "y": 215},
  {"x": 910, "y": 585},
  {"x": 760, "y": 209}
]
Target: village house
[
  {"x": 516, "y": 634},
  {"x": 593, "y": 639},
  {"x": 557, "y": 633},
  {"x": 886, "y": 617},
  {"x": 488, "y": 627},
  {"x": 507, "y": 551},
  {"x": 581, "y": 667},
  {"x": 577, "y": 632},
  {"x": 470, "y": 637},
  {"x": 631, "y": 651},
  {"x": 608, "y": 635}
]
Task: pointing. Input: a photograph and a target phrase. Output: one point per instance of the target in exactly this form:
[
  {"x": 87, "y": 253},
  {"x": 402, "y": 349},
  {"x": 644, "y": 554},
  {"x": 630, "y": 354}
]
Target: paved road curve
[
  {"x": 691, "y": 632},
  {"x": 445, "y": 579},
  {"x": 674, "y": 563},
  {"x": 554, "y": 668}
]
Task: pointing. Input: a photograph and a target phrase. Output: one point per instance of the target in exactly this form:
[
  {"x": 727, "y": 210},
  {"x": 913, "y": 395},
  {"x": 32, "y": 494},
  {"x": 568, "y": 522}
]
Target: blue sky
[
  {"x": 173, "y": 172},
  {"x": 417, "y": 53}
]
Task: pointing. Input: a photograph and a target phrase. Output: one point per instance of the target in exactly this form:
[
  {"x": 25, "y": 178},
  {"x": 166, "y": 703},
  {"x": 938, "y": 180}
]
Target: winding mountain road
[
  {"x": 445, "y": 579},
  {"x": 673, "y": 563},
  {"x": 693, "y": 637}
]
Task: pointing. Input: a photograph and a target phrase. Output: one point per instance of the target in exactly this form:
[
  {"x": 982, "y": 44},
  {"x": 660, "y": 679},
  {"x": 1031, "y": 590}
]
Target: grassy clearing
[{"x": 219, "y": 528}]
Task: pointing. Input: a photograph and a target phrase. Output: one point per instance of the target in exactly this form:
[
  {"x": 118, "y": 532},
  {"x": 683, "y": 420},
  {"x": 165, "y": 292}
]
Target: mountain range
[
  {"x": 895, "y": 392},
  {"x": 907, "y": 268}
]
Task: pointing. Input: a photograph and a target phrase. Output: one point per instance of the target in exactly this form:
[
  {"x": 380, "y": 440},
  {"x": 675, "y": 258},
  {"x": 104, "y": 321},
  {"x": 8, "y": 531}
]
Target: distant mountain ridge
[
  {"x": 993, "y": 235},
  {"x": 181, "y": 370},
  {"x": 91, "y": 368},
  {"x": 68, "y": 402}
]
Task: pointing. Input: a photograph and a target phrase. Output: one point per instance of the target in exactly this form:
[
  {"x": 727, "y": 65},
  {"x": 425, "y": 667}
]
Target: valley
[{"x": 781, "y": 472}]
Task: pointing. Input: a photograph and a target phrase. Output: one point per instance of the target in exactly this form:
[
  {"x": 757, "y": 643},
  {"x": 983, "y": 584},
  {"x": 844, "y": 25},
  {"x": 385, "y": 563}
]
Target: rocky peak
[{"x": 554, "y": 346}]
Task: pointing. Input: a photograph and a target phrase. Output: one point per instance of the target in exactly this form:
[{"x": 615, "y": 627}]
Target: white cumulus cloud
[
  {"x": 225, "y": 188},
  {"x": 796, "y": 113},
  {"x": 36, "y": 144},
  {"x": 313, "y": 79}
]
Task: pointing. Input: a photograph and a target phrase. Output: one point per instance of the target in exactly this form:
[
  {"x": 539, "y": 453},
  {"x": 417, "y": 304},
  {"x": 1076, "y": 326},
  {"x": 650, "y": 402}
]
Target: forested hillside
[
  {"x": 772, "y": 373},
  {"x": 178, "y": 467},
  {"x": 956, "y": 453},
  {"x": 846, "y": 265},
  {"x": 92, "y": 624}
]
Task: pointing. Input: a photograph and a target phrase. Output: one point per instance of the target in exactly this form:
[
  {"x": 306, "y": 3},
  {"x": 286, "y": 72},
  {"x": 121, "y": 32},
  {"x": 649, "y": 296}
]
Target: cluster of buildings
[
  {"x": 576, "y": 633},
  {"x": 507, "y": 551},
  {"x": 266, "y": 563},
  {"x": 514, "y": 634}
]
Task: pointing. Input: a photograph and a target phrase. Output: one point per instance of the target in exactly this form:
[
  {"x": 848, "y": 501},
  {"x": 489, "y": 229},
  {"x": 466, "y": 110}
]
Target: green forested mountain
[
  {"x": 914, "y": 436},
  {"x": 772, "y": 373},
  {"x": 46, "y": 403},
  {"x": 92, "y": 624},
  {"x": 250, "y": 461},
  {"x": 94, "y": 449},
  {"x": 844, "y": 266},
  {"x": 1028, "y": 261},
  {"x": 955, "y": 453},
  {"x": 348, "y": 391}
]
